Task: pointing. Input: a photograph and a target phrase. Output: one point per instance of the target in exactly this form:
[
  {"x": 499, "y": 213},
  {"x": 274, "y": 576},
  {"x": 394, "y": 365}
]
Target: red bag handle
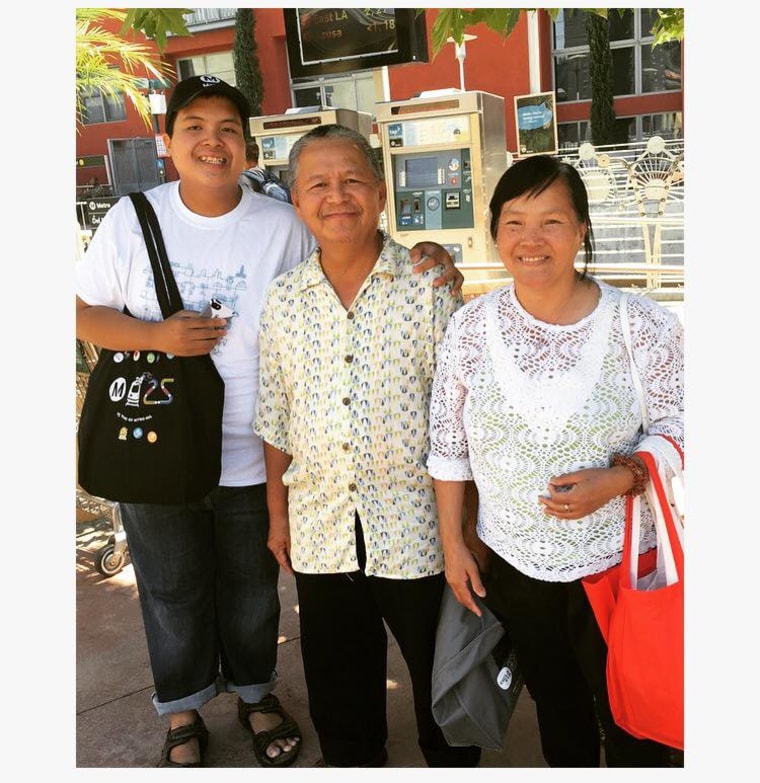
[{"x": 673, "y": 540}]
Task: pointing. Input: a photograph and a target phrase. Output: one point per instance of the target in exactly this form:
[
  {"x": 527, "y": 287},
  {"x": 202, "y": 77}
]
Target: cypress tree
[
  {"x": 246, "y": 60},
  {"x": 604, "y": 129}
]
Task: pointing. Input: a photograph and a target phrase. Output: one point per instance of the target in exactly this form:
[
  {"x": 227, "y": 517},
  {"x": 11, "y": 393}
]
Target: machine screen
[{"x": 422, "y": 172}]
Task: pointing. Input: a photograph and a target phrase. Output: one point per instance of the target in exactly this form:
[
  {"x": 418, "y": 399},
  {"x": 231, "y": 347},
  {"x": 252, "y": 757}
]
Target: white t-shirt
[{"x": 233, "y": 258}]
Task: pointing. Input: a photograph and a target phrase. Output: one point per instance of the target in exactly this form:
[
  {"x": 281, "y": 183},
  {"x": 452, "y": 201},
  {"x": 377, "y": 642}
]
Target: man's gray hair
[{"x": 332, "y": 131}]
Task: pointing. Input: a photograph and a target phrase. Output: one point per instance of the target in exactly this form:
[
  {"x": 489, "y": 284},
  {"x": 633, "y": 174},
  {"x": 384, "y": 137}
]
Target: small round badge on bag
[{"x": 504, "y": 678}]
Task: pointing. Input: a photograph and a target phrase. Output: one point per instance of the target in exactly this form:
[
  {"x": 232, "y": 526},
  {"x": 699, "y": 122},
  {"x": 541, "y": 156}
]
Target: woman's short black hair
[{"x": 532, "y": 176}]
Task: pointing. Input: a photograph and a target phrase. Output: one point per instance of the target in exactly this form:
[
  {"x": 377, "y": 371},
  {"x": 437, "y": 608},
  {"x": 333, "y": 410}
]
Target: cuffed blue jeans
[{"x": 208, "y": 593}]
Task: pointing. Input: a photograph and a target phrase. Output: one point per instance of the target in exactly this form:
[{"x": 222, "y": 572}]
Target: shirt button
[
  {"x": 352, "y": 487},
  {"x": 350, "y": 316},
  {"x": 346, "y": 446},
  {"x": 349, "y": 358},
  {"x": 346, "y": 400}
]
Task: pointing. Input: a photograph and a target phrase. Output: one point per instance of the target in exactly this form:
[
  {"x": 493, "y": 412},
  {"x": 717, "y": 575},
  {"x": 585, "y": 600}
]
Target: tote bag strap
[
  {"x": 669, "y": 528},
  {"x": 626, "y": 327},
  {"x": 169, "y": 298}
]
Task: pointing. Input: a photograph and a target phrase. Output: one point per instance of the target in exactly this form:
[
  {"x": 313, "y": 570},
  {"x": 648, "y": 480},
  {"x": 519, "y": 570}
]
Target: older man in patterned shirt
[{"x": 348, "y": 348}]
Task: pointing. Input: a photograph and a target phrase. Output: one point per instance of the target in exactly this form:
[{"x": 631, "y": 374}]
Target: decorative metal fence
[
  {"x": 636, "y": 201},
  {"x": 636, "y": 196}
]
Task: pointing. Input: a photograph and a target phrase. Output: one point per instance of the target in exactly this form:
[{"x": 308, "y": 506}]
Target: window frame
[
  {"x": 672, "y": 120},
  {"x": 637, "y": 43},
  {"x": 106, "y": 102},
  {"x": 321, "y": 83},
  {"x": 227, "y": 75}
]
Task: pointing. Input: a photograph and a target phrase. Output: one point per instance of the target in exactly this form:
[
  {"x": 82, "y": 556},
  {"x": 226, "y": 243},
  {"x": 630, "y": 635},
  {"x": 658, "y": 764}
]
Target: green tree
[
  {"x": 604, "y": 128},
  {"x": 108, "y": 64},
  {"x": 246, "y": 60},
  {"x": 156, "y": 23},
  {"x": 668, "y": 26}
]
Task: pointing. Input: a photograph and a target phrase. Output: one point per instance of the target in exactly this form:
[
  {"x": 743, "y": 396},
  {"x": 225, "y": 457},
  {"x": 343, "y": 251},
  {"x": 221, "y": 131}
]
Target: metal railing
[
  {"x": 636, "y": 202},
  {"x": 202, "y": 17},
  {"x": 637, "y": 206}
]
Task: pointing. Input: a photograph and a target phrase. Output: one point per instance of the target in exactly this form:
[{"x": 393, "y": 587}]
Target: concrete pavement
[{"x": 116, "y": 725}]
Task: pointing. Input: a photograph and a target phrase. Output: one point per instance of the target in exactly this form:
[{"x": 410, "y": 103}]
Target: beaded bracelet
[{"x": 639, "y": 470}]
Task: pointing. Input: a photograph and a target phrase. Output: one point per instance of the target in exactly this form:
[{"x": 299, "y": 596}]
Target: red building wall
[{"x": 273, "y": 56}]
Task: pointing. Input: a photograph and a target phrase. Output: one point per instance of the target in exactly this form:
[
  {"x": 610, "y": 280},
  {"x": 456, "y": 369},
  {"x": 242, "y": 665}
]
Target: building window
[
  {"x": 661, "y": 67},
  {"x": 99, "y": 107},
  {"x": 217, "y": 64},
  {"x": 349, "y": 91},
  {"x": 667, "y": 124},
  {"x": 572, "y": 81},
  {"x": 572, "y": 134},
  {"x": 638, "y": 67}
]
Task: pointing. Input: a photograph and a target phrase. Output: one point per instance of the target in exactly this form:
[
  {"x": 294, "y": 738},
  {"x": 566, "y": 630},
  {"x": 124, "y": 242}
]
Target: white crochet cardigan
[{"x": 517, "y": 401}]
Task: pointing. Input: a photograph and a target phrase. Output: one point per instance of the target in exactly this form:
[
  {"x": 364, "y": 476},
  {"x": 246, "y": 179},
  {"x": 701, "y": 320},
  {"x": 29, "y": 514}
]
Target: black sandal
[
  {"x": 180, "y": 736},
  {"x": 263, "y": 739}
]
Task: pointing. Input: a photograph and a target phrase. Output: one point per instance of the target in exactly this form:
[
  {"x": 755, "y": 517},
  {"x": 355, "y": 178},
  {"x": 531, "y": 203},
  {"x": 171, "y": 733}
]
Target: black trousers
[
  {"x": 563, "y": 657},
  {"x": 345, "y": 646}
]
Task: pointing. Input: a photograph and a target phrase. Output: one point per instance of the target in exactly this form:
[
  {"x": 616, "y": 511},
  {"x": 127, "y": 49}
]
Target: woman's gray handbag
[{"x": 476, "y": 677}]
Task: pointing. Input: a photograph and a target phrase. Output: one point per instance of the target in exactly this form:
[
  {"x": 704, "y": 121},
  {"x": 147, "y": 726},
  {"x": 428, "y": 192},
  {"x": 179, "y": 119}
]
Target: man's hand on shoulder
[{"x": 426, "y": 255}]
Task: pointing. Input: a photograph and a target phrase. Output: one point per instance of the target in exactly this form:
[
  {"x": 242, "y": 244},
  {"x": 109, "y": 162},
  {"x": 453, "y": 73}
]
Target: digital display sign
[
  {"x": 322, "y": 41},
  {"x": 326, "y": 34}
]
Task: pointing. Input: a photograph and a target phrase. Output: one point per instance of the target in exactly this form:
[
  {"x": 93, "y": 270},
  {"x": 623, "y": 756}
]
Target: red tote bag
[{"x": 639, "y": 608}]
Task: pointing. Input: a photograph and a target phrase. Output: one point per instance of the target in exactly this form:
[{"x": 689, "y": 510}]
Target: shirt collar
[{"x": 386, "y": 264}]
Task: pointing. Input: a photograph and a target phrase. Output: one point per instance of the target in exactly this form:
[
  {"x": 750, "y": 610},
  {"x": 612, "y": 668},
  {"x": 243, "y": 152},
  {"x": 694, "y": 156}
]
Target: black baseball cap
[{"x": 189, "y": 89}]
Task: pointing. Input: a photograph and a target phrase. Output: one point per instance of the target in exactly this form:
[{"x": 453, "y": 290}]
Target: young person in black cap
[{"x": 206, "y": 580}]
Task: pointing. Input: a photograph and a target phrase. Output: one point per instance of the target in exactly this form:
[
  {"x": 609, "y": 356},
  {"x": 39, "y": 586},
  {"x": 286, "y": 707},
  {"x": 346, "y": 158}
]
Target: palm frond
[{"x": 108, "y": 64}]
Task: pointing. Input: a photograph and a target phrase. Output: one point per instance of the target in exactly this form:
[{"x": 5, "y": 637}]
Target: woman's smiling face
[{"x": 538, "y": 236}]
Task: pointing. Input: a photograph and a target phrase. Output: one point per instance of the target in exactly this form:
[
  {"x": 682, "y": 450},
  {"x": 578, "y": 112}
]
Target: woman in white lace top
[{"x": 533, "y": 398}]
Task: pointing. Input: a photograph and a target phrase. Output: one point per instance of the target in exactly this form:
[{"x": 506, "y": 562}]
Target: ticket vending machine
[
  {"x": 443, "y": 155},
  {"x": 277, "y": 133}
]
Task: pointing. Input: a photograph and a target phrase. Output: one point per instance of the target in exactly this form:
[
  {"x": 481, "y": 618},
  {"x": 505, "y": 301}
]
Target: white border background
[{"x": 721, "y": 412}]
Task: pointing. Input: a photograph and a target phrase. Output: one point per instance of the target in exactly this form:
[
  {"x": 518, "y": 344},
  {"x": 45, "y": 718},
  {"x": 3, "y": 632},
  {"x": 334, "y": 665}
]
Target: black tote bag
[{"x": 150, "y": 430}]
